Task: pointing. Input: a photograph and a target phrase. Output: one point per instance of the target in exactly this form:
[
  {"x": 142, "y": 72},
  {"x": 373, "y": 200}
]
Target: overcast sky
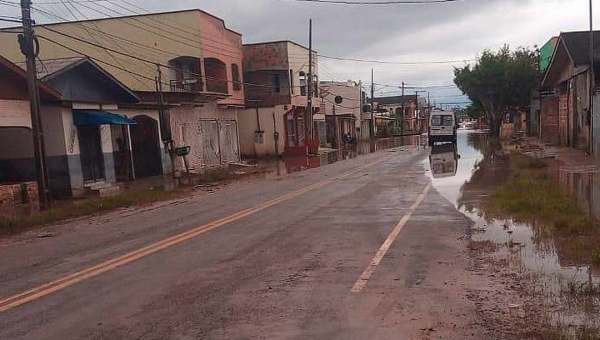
[{"x": 403, "y": 33}]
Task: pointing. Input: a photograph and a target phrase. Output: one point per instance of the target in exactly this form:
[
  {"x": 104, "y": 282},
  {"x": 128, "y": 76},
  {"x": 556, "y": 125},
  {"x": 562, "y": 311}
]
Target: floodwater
[
  {"x": 274, "y": 168},
  {"x": 468, "y": 173}
]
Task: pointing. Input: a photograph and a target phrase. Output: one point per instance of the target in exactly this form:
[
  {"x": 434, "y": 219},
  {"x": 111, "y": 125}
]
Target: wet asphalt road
[{"x": 283, "y": 272}]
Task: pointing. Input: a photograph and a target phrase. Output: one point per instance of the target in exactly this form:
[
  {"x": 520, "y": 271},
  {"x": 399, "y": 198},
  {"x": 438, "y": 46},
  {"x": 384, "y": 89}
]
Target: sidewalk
[{"x": 572, "y": 160}]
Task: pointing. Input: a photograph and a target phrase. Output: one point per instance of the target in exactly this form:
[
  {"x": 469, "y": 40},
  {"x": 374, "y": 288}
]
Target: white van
[{"x": 442, "y": 127}]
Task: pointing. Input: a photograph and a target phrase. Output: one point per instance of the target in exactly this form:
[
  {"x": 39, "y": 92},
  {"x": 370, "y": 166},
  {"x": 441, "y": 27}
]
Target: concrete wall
[
  {"x": 14, "y": 113},
  {"x": 219, "y": 42},
  {"x": 268, "y": 56},
  {"x": 19, "y": 147},
  {"x": 298, "y": 61},
  {"x": 59, "y": 175},
  {"x": 73, "y": 152},
  {"x": 349, "y": 91},
  {"x": 248, "y": 125}
]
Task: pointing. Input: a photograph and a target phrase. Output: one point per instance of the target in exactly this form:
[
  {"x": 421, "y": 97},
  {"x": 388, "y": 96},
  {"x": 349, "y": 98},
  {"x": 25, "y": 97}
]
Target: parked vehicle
[{"x": 442, "y": 127}]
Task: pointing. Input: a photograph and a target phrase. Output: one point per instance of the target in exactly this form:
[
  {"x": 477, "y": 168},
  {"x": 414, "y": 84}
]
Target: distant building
[
  {"x": 276, "y": 119},
  {"x": 343, "y": 118},
  {"x": 413, "y": 119}
]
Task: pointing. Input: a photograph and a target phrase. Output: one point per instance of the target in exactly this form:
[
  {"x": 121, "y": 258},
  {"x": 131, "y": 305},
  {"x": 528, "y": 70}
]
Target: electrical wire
[
  {"x": 397, "y": 62},
  {"x": 99, "y": 60}
]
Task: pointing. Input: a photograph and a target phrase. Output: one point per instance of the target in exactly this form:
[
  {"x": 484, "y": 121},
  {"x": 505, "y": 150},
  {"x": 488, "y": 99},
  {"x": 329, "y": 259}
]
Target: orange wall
[{"x": 226, "y": 45}]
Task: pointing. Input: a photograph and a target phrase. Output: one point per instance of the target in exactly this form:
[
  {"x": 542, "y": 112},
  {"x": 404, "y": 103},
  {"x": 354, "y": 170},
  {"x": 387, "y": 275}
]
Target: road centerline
[
  {"x": 49, "y": 288},
  {"x": 361, "y": 283}
]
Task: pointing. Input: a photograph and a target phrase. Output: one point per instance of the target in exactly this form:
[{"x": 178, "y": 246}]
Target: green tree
[
  {"x": 499, "y": 82},
  {"x": 473, "y": 111}
]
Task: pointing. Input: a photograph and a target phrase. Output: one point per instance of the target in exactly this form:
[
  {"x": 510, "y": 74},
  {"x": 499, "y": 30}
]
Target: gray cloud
[{"x": 451, "y": 31}]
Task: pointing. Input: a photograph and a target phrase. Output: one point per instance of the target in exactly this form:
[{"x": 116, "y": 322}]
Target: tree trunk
[{"x": 495, "y": 124}]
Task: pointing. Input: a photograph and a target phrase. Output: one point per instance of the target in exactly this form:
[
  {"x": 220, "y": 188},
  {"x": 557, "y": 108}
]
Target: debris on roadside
[{"x": 45, "y": 234}]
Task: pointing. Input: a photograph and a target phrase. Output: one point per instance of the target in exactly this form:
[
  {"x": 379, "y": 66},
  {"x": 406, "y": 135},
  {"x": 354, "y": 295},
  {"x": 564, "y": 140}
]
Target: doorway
[
  {"x": 145, "y": 147},
  {"x": 92, "y": 159}
]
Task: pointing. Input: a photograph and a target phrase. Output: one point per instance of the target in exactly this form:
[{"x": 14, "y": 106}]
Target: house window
[
  {"x": 235, "y": 74},
  {"x": 276, "y": 83},
  {"x": 292, "y": 82},
  {"x": 303, "y": 83}
]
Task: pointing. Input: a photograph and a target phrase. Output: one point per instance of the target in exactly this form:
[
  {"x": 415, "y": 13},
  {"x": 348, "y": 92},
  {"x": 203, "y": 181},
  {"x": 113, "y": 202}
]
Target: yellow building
[{"x": 199, "y": 59}]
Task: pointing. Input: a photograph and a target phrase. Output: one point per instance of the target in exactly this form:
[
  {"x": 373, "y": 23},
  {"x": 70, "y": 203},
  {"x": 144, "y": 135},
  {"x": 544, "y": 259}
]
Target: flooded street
[
  {"x": 566, "y": 288},
  {"x": 274, "y": 168}
]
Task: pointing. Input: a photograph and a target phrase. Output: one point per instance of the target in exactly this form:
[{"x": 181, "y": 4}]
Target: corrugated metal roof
[
  {"x": 49, "y": 67},
  {"x": 578, "y": 45}
]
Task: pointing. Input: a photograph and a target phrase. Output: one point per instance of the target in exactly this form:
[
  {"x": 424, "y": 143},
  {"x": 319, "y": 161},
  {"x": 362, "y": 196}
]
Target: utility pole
[
  {"x": 402, "y": 115},
  {"x": 592, "y": 81},
  {"x": 418, "y": 112},
  {"x": 30, "y": 48},
  {"x": 372, "y": 103},
  {"x": 335, "y": 129},
  {"x": 360, "y": 110},
  {"x": 309, "y": 105},
  {"x": 165, "y": 126}
]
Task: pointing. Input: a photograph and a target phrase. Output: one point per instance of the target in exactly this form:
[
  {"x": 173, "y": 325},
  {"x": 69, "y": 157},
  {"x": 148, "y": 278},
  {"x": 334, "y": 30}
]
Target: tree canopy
[{"x": 499, "y": 82}]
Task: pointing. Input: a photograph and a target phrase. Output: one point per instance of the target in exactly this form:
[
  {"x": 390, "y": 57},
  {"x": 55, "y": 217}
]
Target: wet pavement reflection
[
  {"x": 468, "y": 173},
  {"x": 274, "y": 168}
]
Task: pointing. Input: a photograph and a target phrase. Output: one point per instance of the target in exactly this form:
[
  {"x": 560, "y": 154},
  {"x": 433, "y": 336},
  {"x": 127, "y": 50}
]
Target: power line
[
  {"x": 98, "y": 60},
  {"x": 397, "y": 62},
  {"x": 149, "y": 61}
]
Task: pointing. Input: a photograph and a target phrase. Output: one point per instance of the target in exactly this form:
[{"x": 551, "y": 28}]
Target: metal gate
[
  {"x": 228, "y": 141},
  {"x": 209, "y": 141}
]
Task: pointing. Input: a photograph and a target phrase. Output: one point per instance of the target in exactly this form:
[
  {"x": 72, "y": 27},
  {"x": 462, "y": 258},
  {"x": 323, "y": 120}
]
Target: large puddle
[
  {"x": 466, "y": 175},
  {"x": 274, "y": 168}
]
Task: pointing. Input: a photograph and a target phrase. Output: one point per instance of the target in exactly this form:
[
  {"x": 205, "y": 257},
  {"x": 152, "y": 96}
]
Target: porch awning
[{"x": 97, "y": 117}]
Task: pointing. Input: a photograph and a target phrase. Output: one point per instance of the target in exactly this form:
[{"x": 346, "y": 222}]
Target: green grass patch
[
  {"x": 86, "y": 207},
  {"x": 532, "y": 195}
]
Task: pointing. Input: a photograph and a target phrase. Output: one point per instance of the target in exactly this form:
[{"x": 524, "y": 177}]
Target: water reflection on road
[
  {"x": 272, "y": 168},
  {"x": 529, "y": 249}
]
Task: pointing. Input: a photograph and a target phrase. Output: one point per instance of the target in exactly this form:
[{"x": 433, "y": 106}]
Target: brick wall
[
  {"x": 14, "y": 194},
  {"x": 563, "y": 118}
]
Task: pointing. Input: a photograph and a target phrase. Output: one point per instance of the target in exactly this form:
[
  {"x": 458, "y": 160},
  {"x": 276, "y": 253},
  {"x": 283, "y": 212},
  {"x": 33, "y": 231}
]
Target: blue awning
[{"x": 97, "y": 117}]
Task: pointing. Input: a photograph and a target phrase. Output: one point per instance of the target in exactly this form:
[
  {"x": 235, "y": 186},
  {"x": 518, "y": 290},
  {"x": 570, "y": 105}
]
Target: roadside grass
[
  {"x": 532, "y": 195},
  {"x": 94, "y": 206},
  {"x": 86, "y": 207}
]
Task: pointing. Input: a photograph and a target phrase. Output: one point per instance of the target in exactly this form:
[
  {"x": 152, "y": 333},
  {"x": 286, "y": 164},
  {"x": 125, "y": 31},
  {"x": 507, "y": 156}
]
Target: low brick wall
[{"x": 14, "y": 194}]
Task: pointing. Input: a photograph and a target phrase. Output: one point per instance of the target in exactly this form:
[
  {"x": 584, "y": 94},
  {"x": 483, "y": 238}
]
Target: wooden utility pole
[
  {"x": 309, "y": 106},
  {"x": 336, "y": 134},
  {"x": 165, "y": 126},
  {"x": 30, "y": 48},
  {"x": 372, "y": 103}
]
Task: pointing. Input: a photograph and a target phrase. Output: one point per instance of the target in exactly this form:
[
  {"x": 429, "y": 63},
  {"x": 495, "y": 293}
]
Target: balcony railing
[{"x": 187, "y": 85}]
